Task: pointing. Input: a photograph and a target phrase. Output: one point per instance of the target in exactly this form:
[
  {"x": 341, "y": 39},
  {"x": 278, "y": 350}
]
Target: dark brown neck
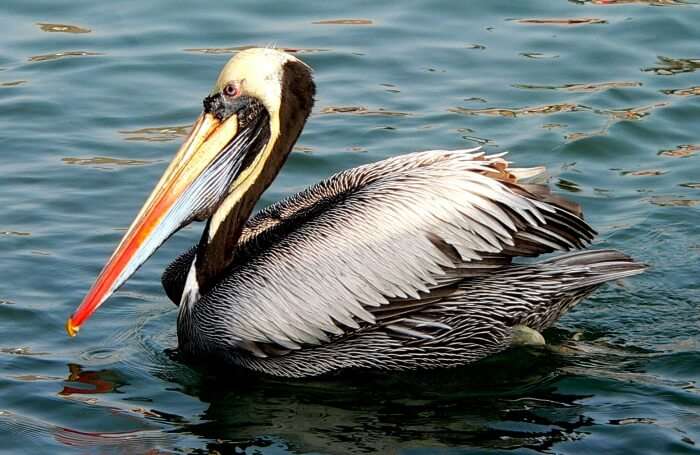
[{"x": 216, "y": 254}]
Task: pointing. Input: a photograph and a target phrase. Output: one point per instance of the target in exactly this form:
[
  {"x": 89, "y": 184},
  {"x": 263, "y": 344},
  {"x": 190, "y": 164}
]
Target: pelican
[{"x": 406, "y": 263}]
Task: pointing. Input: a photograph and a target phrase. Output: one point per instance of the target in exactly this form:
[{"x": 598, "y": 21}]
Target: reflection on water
[
  {"x": 157, "y": 134},
  {"x": 514, "y": 400},
  {"x": 104, "y": 162},
  {"x": 691, "y": 91},
  {"x": 584, "y": 88},
  {"x": 90, "y": 382},
  {"x": 21, "y": 351},
  {"x": 361, "y": 110},
  {"x": 515, "y": 112},
  {"x": 235, "y": 49},
  {"x": 378, "y": 412},
  {"x": 17, "y": 233},
  {"x": 643, "y": 2},
  {"x": 62, "y": 28},
  {"x": 681, "y": 151},
  {"x": 12, "y": 83},
  {"x": 486, "y": 405},
  {"x": 64, "y": 54},
  {"x": 670, "y": 66},
  {"x": 538, "y": 55},
  {"x": 643, "y": 173},
  {"x": 344, "y": 22},
  {"x": 566, "y": 21},
  {"x": 666, "y": 201},
  {"x": 129, "y": 442},
  {"x": 611, "y": 115},
  {"x": 633, "y": 113}
]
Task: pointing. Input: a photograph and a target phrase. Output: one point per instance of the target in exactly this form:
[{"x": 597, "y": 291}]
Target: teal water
[{"x": 96, "y": 96}]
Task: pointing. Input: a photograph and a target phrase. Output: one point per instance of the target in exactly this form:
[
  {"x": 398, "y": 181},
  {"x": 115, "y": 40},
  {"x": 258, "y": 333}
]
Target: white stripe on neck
[{"x": 190, "y": 293}]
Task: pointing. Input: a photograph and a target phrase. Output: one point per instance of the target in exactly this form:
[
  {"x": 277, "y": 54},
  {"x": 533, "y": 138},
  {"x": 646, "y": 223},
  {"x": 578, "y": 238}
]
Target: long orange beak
[{"x": 188, "y": 183}]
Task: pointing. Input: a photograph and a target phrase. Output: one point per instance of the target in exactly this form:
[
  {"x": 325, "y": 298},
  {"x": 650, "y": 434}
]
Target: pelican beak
[{"x": 192, "y": 186}]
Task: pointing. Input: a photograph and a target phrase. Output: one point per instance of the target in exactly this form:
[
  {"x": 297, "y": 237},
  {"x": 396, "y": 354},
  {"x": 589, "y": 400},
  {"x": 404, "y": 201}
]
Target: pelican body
[{"x": 406, "y": 263}]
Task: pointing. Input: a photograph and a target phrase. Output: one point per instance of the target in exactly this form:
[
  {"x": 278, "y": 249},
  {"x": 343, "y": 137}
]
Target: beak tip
[{"x": 70, "y": 328}]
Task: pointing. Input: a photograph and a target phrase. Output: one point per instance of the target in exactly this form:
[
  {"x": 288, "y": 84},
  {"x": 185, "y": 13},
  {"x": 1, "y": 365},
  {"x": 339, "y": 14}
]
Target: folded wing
[{"x": 374, "y": 244}]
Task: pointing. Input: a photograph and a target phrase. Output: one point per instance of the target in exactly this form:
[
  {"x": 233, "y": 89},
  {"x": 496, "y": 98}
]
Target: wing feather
[{"x": 378, "y": 242}]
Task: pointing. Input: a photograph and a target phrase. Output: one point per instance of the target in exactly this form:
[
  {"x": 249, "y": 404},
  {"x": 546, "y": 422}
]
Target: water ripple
[
  {"x": 690, "y": 91},
  {"x": 641, "y": 2},
  {"x": 64, "y": 54},
  {"x": 344, "y": 22},
  {"x": 13, "y": 83},
  {"x": 105, "y": 162},
  {"x": 157, "y": 133},
  {"x": 581, "y": 88},
  {"x": 62, "y": 28},
  {"x": 681, "y": 151},
  {"x": 602, "y": 92},
  {"x": 562, "y": 21},
  {"x": 235, "y": 49},
  {"x": 517, "y": 112},
  {"x": 361, "y": 110},
  {"x": 668, "y": 66}
]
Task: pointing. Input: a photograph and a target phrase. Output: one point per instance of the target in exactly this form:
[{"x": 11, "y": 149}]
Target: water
[{"x": 92, "y": 110}]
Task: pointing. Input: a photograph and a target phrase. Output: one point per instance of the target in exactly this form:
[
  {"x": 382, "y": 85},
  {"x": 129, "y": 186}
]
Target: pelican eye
[{"x": 230, "y": 90}]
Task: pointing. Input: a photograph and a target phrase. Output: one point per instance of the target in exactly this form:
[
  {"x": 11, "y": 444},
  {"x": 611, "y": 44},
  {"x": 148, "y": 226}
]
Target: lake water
[{"x": 95, "y": 97}]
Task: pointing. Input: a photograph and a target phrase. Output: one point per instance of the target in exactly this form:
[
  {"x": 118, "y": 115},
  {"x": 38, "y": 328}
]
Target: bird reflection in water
[
  {"x": 141, "y": 430},
  {"x": 486, "y": 405},
  {"x": 90, "y": 382}
]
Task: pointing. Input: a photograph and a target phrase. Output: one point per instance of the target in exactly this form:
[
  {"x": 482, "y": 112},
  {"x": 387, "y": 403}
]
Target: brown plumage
[{"x": 410, "y": 262}]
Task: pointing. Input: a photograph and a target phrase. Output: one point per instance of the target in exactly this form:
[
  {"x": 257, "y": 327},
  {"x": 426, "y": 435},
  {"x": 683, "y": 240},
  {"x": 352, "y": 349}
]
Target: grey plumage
[{"x": 400, "y": 264}]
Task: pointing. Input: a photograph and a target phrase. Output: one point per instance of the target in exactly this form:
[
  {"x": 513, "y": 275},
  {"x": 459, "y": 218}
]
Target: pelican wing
[{"x": 372, "y": 245}]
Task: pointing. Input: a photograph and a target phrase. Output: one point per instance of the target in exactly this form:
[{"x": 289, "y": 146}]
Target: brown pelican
[{"x": 401, "y": 264}]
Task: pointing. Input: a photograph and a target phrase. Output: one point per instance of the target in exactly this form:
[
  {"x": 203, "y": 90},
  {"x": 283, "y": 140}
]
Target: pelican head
[{"x": 250, "y": 121}]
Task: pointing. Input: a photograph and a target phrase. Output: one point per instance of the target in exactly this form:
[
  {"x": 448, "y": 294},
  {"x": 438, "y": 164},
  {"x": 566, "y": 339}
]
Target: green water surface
[{"x": 95, "y": 97}]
